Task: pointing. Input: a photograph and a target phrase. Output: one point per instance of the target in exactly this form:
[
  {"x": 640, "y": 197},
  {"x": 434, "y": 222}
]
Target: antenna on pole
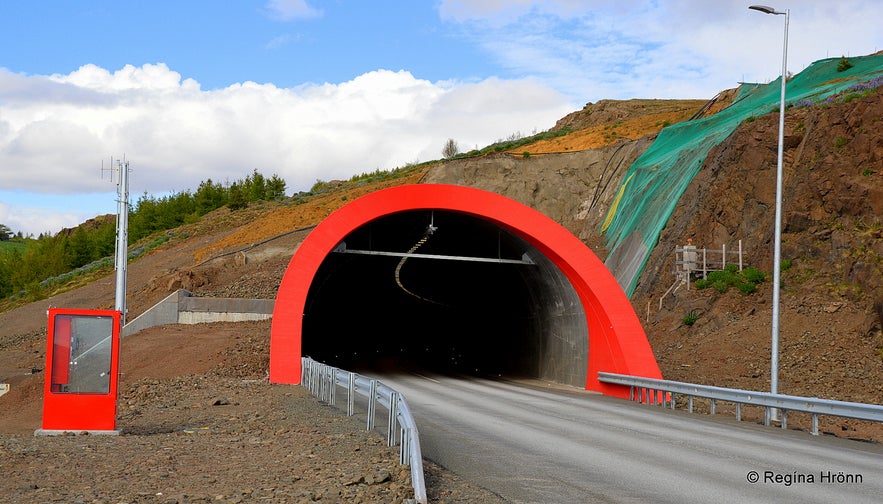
[{"x": 122, "y": 237}]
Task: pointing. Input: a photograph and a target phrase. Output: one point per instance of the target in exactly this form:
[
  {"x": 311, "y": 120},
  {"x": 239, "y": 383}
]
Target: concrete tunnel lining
[
  {"x": 472, "y": 298},
  {"x": 563, "y": 318}
]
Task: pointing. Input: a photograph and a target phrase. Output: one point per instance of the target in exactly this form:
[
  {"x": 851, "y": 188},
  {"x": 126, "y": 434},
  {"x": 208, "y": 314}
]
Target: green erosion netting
[{"x": 655, "y": 182}]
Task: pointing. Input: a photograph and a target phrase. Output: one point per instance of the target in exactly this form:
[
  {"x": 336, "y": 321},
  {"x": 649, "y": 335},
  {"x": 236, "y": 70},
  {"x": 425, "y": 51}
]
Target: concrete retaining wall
[{"x": 180, "y": 308}]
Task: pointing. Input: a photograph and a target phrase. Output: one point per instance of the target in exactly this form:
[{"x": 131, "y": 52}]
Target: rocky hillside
[{"x": 831, "y": 344}]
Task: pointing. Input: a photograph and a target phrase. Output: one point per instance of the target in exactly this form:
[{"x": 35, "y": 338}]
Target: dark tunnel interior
[{"x": 451, "y": 314}]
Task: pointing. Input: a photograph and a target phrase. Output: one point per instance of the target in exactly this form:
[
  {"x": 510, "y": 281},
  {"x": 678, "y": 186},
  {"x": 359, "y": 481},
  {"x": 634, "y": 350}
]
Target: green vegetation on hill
[{"x": 30, "y": 268}]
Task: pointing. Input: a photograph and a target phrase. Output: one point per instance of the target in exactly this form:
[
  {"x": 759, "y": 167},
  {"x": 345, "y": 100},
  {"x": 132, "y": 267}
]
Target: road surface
[{"x": 532, "y": 445}]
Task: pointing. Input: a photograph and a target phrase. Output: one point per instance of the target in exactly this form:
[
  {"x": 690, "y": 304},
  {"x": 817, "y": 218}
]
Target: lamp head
[{"x": 765, "y": 9}]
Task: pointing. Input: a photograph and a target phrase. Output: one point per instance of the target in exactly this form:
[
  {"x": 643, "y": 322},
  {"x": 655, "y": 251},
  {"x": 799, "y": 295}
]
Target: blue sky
[{"x": 310, "y": 89}]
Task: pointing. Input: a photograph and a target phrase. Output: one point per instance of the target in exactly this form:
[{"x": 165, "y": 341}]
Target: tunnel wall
[{"x": 617, "y": 342}]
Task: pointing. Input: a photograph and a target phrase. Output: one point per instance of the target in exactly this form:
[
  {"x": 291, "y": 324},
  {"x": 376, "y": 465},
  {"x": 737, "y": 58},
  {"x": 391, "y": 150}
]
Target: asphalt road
[{"x": 531, "y": 445}]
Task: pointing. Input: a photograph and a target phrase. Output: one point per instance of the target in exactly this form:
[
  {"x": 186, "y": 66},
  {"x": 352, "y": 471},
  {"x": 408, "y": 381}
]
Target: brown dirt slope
[{"x": 200, "y": 423}]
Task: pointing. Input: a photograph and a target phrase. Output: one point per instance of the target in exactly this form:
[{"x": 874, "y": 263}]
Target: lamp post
[{"x": 777, "y": 250}]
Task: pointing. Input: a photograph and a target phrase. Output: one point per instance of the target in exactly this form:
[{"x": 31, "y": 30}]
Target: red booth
[{"x": 82, "y": 371}]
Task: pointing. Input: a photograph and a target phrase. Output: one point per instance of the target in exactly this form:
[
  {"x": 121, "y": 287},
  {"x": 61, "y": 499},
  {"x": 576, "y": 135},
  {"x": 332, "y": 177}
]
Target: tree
[
  {"x": 450, "y": 149},
  {"x": 209, "y": 196},
  {"x": 237, "y": 199},
  {"x": 5, "y": 232},
  {"x": 78, "y": 248},
  {"x": 255, "y": 187},
  {"x": 275, "y": 188}
]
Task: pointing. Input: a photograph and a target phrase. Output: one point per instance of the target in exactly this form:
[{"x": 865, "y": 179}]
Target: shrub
[
  {"x": 745, "y": 281},
  {"x": 844, "y": 64},
  {"x": 728, "y": 277},
  {"x": 747, "y": 287},
  {"x": 690, "y": 318},
  {"x": 753, "y": 275}
]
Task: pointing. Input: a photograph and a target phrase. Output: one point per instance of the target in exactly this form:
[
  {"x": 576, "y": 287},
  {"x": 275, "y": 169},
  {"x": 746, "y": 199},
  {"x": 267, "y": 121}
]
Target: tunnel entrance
[
  {"x": 495, "y": 287},
  {"x": 444, "y": 292}
]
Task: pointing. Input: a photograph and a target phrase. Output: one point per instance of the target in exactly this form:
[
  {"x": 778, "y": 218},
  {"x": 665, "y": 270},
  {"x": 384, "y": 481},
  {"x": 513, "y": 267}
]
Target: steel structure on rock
[{"x": 616, "y": 340}]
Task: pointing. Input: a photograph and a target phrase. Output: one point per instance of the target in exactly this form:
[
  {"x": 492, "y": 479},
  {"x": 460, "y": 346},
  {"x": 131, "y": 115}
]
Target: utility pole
[{"x": 122, "y": 236}]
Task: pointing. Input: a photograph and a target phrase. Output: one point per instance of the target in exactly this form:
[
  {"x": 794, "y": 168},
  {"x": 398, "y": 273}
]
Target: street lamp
[{"x": 777, "y": 250}]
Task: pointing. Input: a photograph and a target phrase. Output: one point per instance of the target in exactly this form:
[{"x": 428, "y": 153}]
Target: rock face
[
  {"x": 609, "y": 111},
  {"x": 832, "y": 279},
  {"x": 575, "y": 189},
  {"x": 831, "y": 343}
]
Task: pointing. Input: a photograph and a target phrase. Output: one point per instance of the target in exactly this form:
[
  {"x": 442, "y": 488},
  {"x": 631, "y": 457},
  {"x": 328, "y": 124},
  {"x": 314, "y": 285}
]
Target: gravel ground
[{"x": 200, "y": 423}]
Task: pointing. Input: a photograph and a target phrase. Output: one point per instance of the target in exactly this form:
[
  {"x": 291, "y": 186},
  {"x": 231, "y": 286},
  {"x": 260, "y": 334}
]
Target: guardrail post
[
  {"x": 391, "y": 423},
  {"x": 815, "y": 424},
  {"x": 738, "y": 412},
  {"x": 332, "y": 383},
  {"x": 320, "y": 383},
  {"x": 690, "y": 404},
  {"x": 712, "y": 407},
  {"x": 304, "y": 371},
  {"x": 405, "y": 448},
  {"x": 784, "y": 419},
  {"x": 372, "y": 404},
  {"x": 351, "y": 395},
  {"x": 323, "y": 382}
]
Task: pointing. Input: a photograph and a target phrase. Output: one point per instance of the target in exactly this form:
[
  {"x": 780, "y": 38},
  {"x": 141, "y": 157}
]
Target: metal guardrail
[
  {"x": 323, "y": 380},
  {"x": 663, "y": 392}
]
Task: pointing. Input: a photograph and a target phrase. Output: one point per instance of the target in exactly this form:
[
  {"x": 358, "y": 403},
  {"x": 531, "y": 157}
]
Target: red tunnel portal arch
[{"x": 617, "y": 341}]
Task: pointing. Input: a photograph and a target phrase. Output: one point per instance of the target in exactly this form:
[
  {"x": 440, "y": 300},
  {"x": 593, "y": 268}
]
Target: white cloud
[
  {"x": 34, "y": 220},
  {"x": 277, "y": 42},
  {"x": 506, "y": 11},
  {"x": 176, "y": 135},
  {"x": 596, "y": 49},
  {"x": 286, "y": 10}
]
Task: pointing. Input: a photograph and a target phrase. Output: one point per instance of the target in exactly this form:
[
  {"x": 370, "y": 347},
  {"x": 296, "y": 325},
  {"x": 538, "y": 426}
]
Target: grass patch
[
  {"x": 690, "y": 318},
  {"x": 745, "y": 281}
]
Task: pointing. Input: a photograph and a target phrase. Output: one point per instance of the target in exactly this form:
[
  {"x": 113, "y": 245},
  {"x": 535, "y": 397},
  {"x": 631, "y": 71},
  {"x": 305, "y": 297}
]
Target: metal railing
[
  {"x": 323, "y": 381},
  {"x": 663, "y": 393},
  {"x": 692, "y": 260}
]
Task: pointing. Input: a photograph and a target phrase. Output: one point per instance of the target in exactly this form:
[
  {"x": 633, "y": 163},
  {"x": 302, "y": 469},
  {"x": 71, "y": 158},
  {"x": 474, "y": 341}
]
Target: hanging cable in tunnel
[{"x": 430, "y": 229}]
